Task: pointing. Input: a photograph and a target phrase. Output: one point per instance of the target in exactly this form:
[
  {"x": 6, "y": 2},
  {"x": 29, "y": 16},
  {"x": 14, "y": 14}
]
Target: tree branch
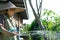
[{"x": 36, "y": 17}]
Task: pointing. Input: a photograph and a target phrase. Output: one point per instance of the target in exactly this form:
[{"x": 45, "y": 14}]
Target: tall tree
[{"x": 37, "y": 17}]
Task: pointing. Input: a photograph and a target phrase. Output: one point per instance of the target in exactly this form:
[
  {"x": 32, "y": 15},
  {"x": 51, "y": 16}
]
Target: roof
[{"x": 20, "y": 3}]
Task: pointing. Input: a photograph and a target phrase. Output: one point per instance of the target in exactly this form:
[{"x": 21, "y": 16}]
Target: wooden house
[{"x": 19, "y": 16}]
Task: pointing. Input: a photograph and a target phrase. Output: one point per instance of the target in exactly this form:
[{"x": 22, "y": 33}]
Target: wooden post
[{"x": 1, "y": 37}]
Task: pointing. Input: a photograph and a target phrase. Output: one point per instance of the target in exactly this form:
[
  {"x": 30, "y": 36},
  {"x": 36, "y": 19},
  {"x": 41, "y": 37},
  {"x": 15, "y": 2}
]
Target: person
[{"x": 8, "y": 23}]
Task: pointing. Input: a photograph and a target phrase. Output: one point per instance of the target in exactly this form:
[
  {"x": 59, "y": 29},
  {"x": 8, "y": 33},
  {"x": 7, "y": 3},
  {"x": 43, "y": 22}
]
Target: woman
[{"x": 9, "y": 24}]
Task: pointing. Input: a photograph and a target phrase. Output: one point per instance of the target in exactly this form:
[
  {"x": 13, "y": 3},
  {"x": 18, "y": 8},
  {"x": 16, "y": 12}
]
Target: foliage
[
  {"x": 26, "y": 27},
  {"x": 51, "y": 21},
  {"x": 34, "y": 26}
]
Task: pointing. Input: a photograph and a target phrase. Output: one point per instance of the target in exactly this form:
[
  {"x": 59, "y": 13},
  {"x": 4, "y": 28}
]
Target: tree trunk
[{"x": 36, "y": 17}]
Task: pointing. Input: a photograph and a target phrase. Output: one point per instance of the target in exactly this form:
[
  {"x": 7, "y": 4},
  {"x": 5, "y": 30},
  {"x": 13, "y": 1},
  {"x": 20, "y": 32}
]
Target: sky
[{"x": 47, "y": 4}]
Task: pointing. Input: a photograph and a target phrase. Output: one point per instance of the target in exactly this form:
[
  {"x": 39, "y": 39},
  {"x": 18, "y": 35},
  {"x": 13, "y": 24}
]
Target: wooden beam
[{"x": 20, "y": 5}]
